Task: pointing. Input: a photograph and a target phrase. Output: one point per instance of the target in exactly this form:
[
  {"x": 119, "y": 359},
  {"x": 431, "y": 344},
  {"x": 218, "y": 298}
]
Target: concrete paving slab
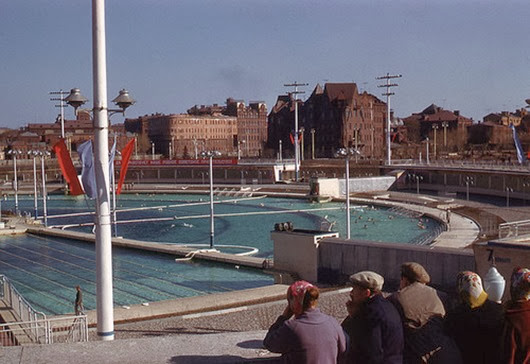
[{"x": 230, "y": 347}]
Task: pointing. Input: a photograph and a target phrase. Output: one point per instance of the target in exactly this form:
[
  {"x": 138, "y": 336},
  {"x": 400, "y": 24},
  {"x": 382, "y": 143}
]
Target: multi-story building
[
  {"x": 332, "y": 117},
  {"x": 184, "y": 135},
  {"x": 445, "y": 130},
  {"x": 251, "y": 134}
]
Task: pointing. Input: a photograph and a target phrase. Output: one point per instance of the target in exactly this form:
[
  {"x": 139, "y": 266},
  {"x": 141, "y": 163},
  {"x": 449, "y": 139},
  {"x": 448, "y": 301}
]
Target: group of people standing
[{"x": 416, "y": 324}]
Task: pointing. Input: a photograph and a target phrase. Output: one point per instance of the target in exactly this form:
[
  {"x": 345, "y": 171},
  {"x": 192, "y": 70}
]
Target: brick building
[
  {"x": 184, "y": 135},
  {"x": 332, "y": 117},
  {"x": 447, "y": 131}
]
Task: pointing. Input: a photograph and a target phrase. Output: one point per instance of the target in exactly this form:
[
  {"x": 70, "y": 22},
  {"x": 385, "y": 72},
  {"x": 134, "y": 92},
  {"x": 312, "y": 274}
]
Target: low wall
[
  {"x": 336, "y": 187},
  {"x": 338, "y": 259}
]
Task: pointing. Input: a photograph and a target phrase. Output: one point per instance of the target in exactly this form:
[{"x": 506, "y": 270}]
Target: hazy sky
[{"x": 472, "y": 56}]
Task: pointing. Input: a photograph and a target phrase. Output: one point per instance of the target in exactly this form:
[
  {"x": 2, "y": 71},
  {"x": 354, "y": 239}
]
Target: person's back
[
  {"x": 376, "y": 333},
  {"x": 476, "y": 323},
  {"x": 311, "y": 337}
]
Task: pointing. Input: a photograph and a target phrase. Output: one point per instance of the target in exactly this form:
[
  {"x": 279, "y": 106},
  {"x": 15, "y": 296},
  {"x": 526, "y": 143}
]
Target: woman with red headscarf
[{"x": 311, "y": 336}]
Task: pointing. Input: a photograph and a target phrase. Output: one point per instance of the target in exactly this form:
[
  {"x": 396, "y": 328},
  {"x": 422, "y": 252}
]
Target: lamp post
[
  {"x": 14, "y": 153},
  {"x": 281, "y": 152},
  {"x": 312, "y": 143},
  {"x": 445, "y": 125},
  {"x": 296, "y": 146},
  {"x": 210, "y": 155},
  {"x": 434, "y": 128},
  {"x": 34, "y": 153},
  {"x": 508, "y": 190},
  {"x": 103, "y": 234},
  {"x": 302, "y": 140},
  {"x": 239, "y": 148},
  {"x": 417, "y": 178},
  {"x": 346, "y": 153},
  {"x": 153, "y": 150},
  {"x": 356, "y": 139},
  {"x": 468, "y": 180},
  {"x": 427, "y": 149},
  {"x": 43, "y": 155}
]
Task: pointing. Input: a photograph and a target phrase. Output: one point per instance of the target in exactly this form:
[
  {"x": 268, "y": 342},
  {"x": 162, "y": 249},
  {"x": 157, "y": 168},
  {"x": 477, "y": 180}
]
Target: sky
[{"x": 467, "y": 55}]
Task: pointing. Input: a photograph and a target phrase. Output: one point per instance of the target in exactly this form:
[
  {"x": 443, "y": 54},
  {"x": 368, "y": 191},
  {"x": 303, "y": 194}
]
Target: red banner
[
  {"x": 67, "y": 167},
  {"x": 125, "y": 156},
  {"x": 179, "y": 162}
]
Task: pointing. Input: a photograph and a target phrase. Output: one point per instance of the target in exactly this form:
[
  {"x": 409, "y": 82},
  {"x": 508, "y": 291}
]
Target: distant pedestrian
[
  {"x": 373, "y": 324},
  {"x": 78, "y": 306},
  {"x": 311, "y": 337}
]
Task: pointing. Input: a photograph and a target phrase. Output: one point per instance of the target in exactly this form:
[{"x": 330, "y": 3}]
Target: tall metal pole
[
  {"x": 44, "y": 194},
  {"x": 348, "y": 227},
  {"x": 35, "y": 205},
  {"x": 313, "y": 143},
  {"x": 387, "y": 77},
  {"x": 15, "y": 180},
  {"x": 281, "y": 152},
  {"x": 296, "y": 131},
  {"x": 212, "y": 224},
  {"x": 104, "y": 298},
  {"x": 113, "y": 184}
]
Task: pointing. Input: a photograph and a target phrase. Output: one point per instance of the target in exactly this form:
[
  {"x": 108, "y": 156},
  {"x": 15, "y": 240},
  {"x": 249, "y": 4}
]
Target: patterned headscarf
[
  {"x": 520, "y": 284},
  {"x": 296, "y": 292},
  {"x": 470, "y": 289}
]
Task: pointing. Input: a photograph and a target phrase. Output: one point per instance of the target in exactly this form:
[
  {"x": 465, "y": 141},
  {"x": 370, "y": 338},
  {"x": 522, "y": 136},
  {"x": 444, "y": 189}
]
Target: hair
[{"x": 311, "y": 297}]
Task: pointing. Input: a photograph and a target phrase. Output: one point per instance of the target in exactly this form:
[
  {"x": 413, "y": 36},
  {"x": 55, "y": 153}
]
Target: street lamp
[
  {"x": 210, "y": 155},
  {"x": 302, "y": 130},
  {"x": 281, "y": 152},
  {"x": 153, "y": 150},
  {"x": 434, "y": 128},
  {"x": 445, "y": 125},
  {"x": 427, "y": 149},
  {"x": 14, "y": 153},
  {"x": 346, "y": 153},
  {"x": 468, "y": 180},
  {"x": 34, "y": 153},
  {"x": 312, "y": 143},
  {"x": 43, "y": 156},
  {"x": 508, "y": 190},
  {"x": 101, "y": 113},
  {"x": 417, "y": 178},
  {"x": 296, "y": 146},
  {"x": 239, "y": 148}
]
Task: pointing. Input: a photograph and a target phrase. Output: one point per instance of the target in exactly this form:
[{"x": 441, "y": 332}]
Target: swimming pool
[{"x": 46, "y": 270}]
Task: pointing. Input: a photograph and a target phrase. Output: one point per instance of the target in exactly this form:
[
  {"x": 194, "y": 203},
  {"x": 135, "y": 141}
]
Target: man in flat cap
[
  {"x": 373, "y": 324},
  {"x": 422, "y": 313}
]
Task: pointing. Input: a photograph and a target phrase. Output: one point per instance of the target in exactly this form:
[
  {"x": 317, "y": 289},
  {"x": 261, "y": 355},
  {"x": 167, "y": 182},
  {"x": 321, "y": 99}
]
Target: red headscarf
[{"x": 296, "y": 293}]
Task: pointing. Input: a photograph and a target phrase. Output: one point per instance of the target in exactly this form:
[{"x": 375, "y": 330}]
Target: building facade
[{"x": 333, "y": 117}]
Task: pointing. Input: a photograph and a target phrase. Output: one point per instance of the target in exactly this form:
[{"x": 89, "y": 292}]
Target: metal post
[
  {"x": 152, "y": 150},
  {"x": 212, "y": 224},
  {"x": 15, "y": 180},
  {"x": 348, "y": 227},
  {"x": 296, "y": 131},
  {"x": 281, "y": 156},
  {"x": 313, "y": 143},
  {"x": 387, "y": 77},
  {"x": 44, "y": 194},
  {"x": 113, "y": 184},
  {"x": 427, "y": 146},
  {"x": 104, "y": 298},
  {"x": 35, "y": 205},
  {"x": 417, "y": 185}
]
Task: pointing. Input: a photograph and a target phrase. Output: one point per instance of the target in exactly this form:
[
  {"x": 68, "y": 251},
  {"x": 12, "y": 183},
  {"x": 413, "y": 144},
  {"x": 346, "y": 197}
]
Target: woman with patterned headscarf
[
  {"x": 310, "y": 336},
  {"x": 516, "y": 344},
  {"x": 475, "y": 323}
]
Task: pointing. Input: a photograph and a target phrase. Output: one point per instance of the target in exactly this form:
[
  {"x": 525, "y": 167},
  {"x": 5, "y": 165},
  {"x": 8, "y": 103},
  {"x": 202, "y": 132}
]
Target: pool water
[{"x": 46, "y": 270}]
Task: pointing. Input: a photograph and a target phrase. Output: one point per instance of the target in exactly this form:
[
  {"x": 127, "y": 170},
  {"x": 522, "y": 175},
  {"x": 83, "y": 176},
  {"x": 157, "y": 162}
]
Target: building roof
[{"x": 340, "y": 91}]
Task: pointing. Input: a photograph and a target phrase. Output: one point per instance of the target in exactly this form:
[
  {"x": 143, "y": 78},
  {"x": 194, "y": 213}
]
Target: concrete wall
[
  {"x": 297, "y": 252},
  {"x": 338, "y": 259},
  {"x": 336, "y": 187}
]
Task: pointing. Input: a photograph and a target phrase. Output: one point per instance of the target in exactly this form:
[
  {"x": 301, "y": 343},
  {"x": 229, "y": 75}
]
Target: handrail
[
  {"x": 514, "y": 228},
  {"x": 21, "y": 307}
]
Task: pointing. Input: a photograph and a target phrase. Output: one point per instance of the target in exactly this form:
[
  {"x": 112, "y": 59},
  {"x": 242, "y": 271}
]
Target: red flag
[
  {"x": 67, "y": 167},
  {"x": 292, "y": 138},
  {"x": 125, "y": 156}
]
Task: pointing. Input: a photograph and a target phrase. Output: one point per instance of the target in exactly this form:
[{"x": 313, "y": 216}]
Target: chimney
[{"x": 457, "y": 112}]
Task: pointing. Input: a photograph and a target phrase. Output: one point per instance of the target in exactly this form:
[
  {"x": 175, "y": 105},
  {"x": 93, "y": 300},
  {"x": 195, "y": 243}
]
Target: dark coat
[
  {"x": 516, "y": 345},
  {"x": 477, "y": 331},
  {"x": 312, "y": 338},
  {"x": 376, "y": 333}
]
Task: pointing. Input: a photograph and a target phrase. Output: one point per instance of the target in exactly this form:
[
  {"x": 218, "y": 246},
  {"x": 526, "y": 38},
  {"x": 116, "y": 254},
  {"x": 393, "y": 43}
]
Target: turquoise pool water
[{"x": 45, "y": 270}]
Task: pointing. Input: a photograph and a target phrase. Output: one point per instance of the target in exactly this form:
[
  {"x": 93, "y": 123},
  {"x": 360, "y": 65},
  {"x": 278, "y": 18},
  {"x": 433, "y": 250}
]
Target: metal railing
[
  {"x": 514, "y": 228},
  {"x": 14, "y": 300},
  {"x": 45, "y": 331}
]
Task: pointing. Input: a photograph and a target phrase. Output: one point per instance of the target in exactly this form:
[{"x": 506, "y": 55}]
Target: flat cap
[
  {"x": 368, "y": 279},
  {"x": 415, "y": 272}
]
